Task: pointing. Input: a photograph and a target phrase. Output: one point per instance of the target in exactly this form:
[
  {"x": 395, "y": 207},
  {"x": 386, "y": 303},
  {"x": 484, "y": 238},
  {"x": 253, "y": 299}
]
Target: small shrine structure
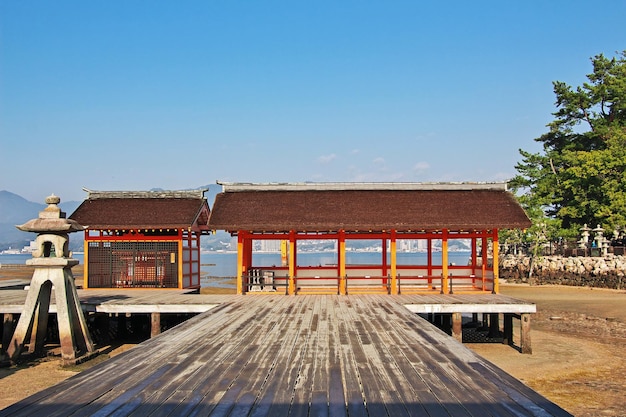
[
  {"x": 143, "y": 239},
  {"x": 53, "y": 268},
  {"x": 431, "y": 218}
]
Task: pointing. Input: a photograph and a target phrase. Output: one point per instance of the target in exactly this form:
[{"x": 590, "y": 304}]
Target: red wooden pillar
[
  {"x": 429, "y": 252},
  {"x": 292, "y": 262},
  {"x": 485, "y": 256},
  {"x": 240, "y": 262},
  {"x": 394, "y": 263},
  {"x": 244, "y": 259},
  {"x": 496, "y": 267},
  {"x": 444, "y": 262},
  {"x": 384, "y": 261},
  {"x": 199, "y": 260},
  {"x": 474, "y": 254},
  {"x": 341, "y": 262},
  {"x": 473, "y": 261}
]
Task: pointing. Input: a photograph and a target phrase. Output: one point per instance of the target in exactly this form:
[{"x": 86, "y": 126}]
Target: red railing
[{"x": 367, "y": 284}]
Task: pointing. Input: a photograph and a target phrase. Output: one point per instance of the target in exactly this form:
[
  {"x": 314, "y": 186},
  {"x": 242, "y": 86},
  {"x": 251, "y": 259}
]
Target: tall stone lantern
[{"x": 53, "y": 268}]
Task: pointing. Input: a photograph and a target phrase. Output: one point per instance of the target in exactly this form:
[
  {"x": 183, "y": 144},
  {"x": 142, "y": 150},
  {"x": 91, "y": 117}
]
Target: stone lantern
[
  {"x": 53, "y": 268},
  {"x": 599, "y": 239},
  {"x": 583, "y": 243}
]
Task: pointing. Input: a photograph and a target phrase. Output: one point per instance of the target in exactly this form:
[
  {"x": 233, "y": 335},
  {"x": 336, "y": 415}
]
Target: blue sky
[{"x": 133, "y": 95}]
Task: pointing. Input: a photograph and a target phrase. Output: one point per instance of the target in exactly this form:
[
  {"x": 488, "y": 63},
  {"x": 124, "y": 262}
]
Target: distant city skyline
[{"x": 120, "y": 95}]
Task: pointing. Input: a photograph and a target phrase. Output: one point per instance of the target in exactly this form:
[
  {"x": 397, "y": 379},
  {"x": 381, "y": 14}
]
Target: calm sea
[{"x": 224, "y": 264}]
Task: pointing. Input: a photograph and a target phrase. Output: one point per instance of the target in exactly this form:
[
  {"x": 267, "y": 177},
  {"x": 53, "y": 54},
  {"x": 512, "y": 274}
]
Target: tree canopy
[{"x": 580, "y": 176}]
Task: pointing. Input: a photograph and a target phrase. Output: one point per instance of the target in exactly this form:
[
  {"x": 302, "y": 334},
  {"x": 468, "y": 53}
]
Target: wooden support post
[
  {"x": 7, "y": 331},
  {"x": 155, "y": 324},
  {"x": 122, "y": 331},
  {"x": 508, "y": 329},
  {"x": 103, "y": 327},
  {"x": 457, "y": 326},
  {"x": 525, "y": 334},
  {"x": 494, "y": 325}
]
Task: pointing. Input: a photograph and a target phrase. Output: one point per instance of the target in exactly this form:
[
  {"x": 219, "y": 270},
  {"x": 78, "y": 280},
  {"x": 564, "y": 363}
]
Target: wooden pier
[{"x": 356, "y": 355}]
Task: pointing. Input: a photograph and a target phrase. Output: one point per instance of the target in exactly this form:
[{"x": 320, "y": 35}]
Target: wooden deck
[
  {"x": 357, "y": 355},
  {"x": 124, "y": 301},
  {"x": 184, "y": 301}
]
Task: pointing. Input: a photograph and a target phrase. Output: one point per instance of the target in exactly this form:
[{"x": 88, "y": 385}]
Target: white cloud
[
  {"x": 421, "y": 166},
  {"x": 327, "y": 159}
]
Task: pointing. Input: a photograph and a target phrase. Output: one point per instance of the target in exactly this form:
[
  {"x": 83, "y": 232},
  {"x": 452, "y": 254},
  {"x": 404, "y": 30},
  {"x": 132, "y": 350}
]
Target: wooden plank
[
  {"x": 303, "y": 386},
  {"x": 275, "y": 398},
  {"x": 101, "y": 381},
  {"x": 355, "y": 403},
  {"x": 413, "y": 393},
  {"x": 488, "y": 400},
  {"x": 220, "y": 397},
  {"x": 357, "y": 338}
]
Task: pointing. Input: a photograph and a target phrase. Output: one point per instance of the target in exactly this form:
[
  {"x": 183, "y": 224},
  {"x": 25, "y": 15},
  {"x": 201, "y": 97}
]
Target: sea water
[{"x": 224, "y": 264}]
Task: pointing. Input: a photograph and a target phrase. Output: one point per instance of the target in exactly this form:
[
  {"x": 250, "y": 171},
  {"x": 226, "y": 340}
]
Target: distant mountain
[{"x": 16, "y": 210}]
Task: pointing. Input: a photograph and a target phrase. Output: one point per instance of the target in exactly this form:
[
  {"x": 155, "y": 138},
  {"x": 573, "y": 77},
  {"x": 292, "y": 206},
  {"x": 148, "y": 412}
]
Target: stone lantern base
[{"x": 32, "y": 325}]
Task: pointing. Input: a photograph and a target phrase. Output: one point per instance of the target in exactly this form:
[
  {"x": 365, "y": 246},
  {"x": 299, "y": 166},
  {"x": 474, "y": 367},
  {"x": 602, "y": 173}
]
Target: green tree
[{"x": 580, "y": 177}]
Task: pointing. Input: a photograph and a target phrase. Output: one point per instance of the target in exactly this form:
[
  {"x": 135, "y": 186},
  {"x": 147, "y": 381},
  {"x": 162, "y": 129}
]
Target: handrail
[
  {"x": 385, "y": 281},
  {"x": 428, "y": 278},
  {"x": 316, "y": 278}
]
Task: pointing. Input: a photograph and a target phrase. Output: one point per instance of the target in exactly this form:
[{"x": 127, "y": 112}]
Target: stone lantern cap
[{"x": 51, "y": 220}]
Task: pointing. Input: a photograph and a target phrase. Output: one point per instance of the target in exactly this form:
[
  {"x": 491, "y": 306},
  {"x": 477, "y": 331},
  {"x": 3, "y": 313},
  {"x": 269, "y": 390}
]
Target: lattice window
[{"x": 133, "y": 265}]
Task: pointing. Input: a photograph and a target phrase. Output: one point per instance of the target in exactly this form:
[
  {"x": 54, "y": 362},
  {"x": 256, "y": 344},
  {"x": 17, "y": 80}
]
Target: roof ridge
[
  {"x": 196, "y": 194},
  {"x": 361, "y": 186}
]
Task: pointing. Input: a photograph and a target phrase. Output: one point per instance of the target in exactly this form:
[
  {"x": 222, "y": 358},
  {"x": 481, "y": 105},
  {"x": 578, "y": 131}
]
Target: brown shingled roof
[
  {"x": 136, "y": 212},
  {"x": 363, "y": 210}
]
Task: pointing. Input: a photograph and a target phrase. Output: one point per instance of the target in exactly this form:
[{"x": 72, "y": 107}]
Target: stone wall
[{"x": 599, "y": 272}]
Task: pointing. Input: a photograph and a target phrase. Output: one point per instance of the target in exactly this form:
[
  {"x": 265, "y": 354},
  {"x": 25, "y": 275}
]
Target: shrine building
[
  {"x": 412, "y": 229},
  {"x": 143, "y": 239}
]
